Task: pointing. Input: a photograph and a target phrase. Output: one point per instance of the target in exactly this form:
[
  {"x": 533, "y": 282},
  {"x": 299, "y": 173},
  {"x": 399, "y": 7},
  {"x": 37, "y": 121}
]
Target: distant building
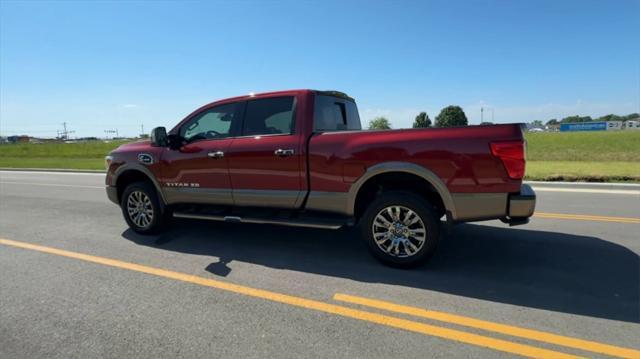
[
  {"x": 614, "y": 125},
  {"x": 633, "y": 125},
  {"x": 583, "y": 126},
  {"x": 18, "y": 139},
  {"x": 600, "y": 126}
]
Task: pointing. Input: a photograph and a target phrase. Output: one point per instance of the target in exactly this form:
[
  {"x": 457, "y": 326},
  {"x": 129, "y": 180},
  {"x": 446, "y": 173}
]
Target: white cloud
[{"x": 129, "y": 105}]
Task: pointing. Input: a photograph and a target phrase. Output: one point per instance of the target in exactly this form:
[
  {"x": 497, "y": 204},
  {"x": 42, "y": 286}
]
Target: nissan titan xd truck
[{"x": 301, "y": 158}]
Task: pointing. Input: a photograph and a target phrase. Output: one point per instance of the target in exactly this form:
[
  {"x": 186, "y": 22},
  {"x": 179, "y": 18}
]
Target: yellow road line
[
  {"x": 494, "y": 327},
  {"x": 389, "y": 321},
  {"x": 583, "y": 217}
]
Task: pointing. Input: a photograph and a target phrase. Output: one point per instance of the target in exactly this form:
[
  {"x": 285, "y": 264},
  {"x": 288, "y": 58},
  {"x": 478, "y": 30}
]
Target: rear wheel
[
  {"x": 400, "y": 229},
  {"x": 141, "y": 208}
]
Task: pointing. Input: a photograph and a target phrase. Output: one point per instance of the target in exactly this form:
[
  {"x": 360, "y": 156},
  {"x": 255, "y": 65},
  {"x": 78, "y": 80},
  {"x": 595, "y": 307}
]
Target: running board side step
[{"x": 292, "y": 222}]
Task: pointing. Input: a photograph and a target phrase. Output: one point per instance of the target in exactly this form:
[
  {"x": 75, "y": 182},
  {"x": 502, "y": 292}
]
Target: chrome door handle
[
  {"x": 216, "y": 154},
  {"x": 283, "y": 153}
]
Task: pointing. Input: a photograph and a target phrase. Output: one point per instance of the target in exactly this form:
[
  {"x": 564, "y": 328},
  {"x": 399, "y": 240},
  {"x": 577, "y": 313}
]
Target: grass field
[
  {"x": 588, "y": 171},
  {"x": 584, "y": 156},
  {"x": 577, "y": 156},
  {"x": 84, "y": 155},
  {"x": 622, "y": 146}
]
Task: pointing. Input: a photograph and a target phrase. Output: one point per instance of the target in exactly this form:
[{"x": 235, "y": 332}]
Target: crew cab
[{"x": 301, "y": 158}]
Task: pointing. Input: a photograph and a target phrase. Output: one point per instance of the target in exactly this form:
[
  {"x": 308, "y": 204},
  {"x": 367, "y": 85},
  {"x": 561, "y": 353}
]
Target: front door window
[{"x": 212, "y": 124}]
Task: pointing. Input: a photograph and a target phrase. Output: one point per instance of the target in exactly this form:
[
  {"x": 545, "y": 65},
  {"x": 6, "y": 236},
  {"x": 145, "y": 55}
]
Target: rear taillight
[{"x": 512, "y": 154}]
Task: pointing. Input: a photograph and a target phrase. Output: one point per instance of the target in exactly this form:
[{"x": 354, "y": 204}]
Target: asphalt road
[{"x": 75, "y": 282}]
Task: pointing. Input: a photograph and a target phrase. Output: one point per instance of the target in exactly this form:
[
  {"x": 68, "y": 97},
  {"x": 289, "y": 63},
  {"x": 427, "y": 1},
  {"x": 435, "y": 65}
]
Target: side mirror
[{"x": 159, "y": 137}]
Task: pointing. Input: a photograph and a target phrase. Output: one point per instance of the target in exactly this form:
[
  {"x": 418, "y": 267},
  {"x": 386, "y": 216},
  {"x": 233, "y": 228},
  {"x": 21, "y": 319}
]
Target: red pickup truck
[{"x": 300, "y": 158}]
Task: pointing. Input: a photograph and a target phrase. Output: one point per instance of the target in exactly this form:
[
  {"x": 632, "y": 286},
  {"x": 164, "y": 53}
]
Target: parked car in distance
[{"x": 300, "y": 158}]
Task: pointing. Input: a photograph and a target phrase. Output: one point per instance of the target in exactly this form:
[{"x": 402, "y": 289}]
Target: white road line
[
  {"x": 596, "y": 185},
  {"x": 51, "y": 185},
  {"x": 55, "y": 173},
  {"x": 586, "y": 190}
]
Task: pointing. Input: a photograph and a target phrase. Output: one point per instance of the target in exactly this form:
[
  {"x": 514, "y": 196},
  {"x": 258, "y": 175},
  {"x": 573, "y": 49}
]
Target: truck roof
[{"x": 281, "y": 93}]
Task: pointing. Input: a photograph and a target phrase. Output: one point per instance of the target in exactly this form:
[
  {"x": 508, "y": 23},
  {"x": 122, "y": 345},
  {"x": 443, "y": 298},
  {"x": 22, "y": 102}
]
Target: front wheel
[
  {"x": 400, "y": 229},
  {"x": 141, "y": 208}
]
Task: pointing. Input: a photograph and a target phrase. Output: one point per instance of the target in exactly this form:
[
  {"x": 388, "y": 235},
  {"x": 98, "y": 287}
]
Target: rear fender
[{"x": 406, "y": 167}]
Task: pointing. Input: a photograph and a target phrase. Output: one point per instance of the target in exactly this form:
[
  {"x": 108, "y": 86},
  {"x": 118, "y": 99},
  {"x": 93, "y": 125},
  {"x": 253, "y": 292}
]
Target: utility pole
[
  {"x": 142, "y": 130},
  {"x": 107, "y": 132},
  {"x": 64, "y": 134},
  {"x": 482, "y": 114}
]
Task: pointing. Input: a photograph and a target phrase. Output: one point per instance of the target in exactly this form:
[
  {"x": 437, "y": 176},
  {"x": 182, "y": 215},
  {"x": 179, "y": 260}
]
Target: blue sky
[{"x": 105, "y": 65}]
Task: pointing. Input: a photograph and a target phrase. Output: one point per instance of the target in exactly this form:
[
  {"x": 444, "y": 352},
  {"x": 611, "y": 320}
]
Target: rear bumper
[
  {"x": 523, "y": 204},
  {"x": 520, "y": 206},
  {"x": 512, "y": 208},
  {"x": 112, "y": 194}
]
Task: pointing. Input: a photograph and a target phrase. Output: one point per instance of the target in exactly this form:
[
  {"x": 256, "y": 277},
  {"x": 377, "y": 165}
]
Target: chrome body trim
[
  {"x": 221, "y": 196},
  {"x": 282, "y": 222},
  {"x": 267, "y": 198},
  {"x": 145, "y": 158},
  {"x": 522, "y": 204},
  {"x": 284, "y": 152},
  {"x": 216, "y": 154},
  {"x": 328, "y": 201}
]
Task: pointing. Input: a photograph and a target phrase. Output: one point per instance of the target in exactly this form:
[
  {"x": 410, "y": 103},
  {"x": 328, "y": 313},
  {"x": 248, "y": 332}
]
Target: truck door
[
  {"x": 198, "y": 172},
  {"x": 266, "y": 160}
]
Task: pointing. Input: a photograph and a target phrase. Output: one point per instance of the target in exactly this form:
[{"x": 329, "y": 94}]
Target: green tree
[
  {"x": 486, "y": 123},
  {"x": 552, "y": 122},
  {"x": 537, "y": 123},
  {"x": 422, "y": 121},
  {"x": 379, "y": 123},
  {"x": 574, "y": 119},
  {"x": 451, "y": 116},
  {"x": 610, "y": 117}
]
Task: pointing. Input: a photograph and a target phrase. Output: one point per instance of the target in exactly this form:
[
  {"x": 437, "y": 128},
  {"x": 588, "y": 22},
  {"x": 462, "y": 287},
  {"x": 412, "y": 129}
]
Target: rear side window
[
  {"x": 269, "y": 116},
  {"x": 335, "y": 114}
]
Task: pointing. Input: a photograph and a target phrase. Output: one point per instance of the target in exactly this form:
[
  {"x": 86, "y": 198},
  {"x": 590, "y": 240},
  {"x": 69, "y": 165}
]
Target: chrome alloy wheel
[
  {"x": 140, "y": 209},
  {"x": 398, "y": 231}
]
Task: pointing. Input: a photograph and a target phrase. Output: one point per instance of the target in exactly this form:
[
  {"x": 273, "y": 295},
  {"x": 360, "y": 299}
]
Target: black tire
[
  {"x": 159, "y": 217},
  {"x": 403, "y": 202}
]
